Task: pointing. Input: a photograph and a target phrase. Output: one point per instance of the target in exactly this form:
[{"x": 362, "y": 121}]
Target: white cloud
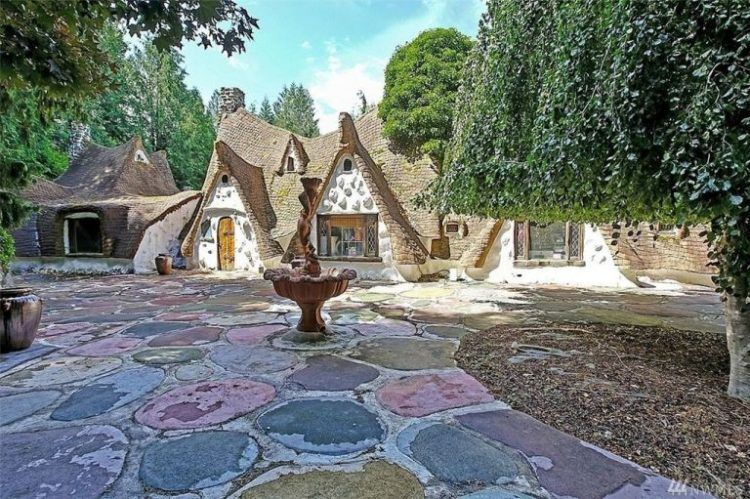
[
  {"x": 335, "y": 88},
  {"x": 306, "y": 45}
]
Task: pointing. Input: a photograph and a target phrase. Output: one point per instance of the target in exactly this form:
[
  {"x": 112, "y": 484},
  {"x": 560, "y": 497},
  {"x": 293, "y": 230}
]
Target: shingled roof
[
  {"x": 129, "y": 189},
  {"x": 249, "y": 148}
]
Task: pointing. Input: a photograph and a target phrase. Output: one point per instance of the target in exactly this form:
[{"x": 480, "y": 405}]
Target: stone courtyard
[{"x": 144, "y": 386}]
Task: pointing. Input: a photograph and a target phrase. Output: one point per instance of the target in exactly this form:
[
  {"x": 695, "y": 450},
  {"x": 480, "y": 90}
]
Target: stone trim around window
[{"x": 522, "y": 245}]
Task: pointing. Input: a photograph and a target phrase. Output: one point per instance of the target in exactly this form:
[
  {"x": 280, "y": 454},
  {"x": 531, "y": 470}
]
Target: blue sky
[{"x": 333, "y": 47}]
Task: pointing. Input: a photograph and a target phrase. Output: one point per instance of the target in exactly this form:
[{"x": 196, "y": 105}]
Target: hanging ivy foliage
[{"x": 604, "y": 110}]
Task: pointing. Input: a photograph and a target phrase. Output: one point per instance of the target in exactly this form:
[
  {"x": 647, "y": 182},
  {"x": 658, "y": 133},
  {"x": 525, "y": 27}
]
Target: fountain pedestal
[{"x": 305, "y": 283}]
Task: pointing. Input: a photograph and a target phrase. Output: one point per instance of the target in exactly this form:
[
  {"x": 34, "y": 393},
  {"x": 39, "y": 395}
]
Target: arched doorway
[{"x": 226, "y": 243}]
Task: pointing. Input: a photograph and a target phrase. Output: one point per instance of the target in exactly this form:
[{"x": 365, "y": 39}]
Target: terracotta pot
[
  {"x": 163, "y": 264},
  {"x": 21, "y": 311}
]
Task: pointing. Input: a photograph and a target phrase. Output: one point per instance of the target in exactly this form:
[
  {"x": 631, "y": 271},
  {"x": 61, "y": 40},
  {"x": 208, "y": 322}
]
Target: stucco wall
[
  {"x": 599, "y": 268},
  {"x": 225, "y": 201},
  {"x": 162, "y": 237}
]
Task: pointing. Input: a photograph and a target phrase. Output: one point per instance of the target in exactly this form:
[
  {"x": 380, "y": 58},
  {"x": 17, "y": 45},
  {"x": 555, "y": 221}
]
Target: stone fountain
[{"x": 305, "y": 283}]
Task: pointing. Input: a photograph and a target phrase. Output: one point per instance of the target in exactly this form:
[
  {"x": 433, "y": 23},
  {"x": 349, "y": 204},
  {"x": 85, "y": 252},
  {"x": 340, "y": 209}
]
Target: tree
[
  {"x": 600, "y": 110},
  {"x": 266, "y": 111},
  {"x": 56, "y": 51},
  {"x": 421, "y": 81},
  {"x": 294, "y": 110}
]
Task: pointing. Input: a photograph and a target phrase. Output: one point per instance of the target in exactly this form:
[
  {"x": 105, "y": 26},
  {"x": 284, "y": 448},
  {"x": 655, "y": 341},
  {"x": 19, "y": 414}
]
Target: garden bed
[{"x": 653, "y": 395}]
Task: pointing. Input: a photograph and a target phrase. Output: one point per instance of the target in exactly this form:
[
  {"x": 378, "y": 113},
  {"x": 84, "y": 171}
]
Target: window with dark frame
[
  {"x": 451, "y": 228},
  {"x": 348, "y": 236},
  {"x": 556, "y": 241},
  {"x": 84, "y": 235},
  {"x": 290, "y": 164},
  {"x": 347, "y": 165}
]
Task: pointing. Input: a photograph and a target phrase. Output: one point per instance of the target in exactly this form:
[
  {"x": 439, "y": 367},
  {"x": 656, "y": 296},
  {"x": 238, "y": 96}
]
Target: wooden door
[{"x": 226, "y": 244}]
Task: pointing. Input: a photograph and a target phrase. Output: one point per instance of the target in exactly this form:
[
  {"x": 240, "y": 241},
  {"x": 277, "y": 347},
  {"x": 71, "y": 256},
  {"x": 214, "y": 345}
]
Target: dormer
[
  {"x": 295, "y": 158},
  {"x": 141, "y": 157}
]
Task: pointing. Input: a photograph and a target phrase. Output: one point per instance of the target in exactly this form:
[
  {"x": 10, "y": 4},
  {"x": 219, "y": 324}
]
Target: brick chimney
[
  {"x": 80, "y": 136},
  {"x": 230, "y": 100}
]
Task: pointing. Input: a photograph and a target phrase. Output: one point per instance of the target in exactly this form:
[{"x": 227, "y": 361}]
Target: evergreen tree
[
  {"x": 266, "y": 111},
  {"x": 294, "y": 111}
]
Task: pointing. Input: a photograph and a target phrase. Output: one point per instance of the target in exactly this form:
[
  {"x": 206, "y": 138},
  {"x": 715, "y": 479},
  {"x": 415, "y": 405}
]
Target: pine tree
[
  {"x": 266, "y": 111},
  {"x": 295, "y": 112}
]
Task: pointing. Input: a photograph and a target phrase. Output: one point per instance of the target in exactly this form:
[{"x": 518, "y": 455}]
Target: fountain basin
[{"x": 310, "y": 293}]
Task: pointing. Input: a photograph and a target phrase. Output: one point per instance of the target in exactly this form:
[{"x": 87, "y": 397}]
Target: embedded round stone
[
  {"x": 108, "y": 393},
  {"x": 169, "y": 355},
  {"x": 329, "y": 373},
  {"x": 204, "y": 404},
  {"x": 421, "y": 395},
  {"x": 106, "y": 347},
  {"x": 322, "y": 426},
  {"x": 240, "y": 319},
  {"x": 251, "y": 360},
  {"x": 187, "y": 337},
  {"x": 376, "y": 479},
  {"x": 191, "y": 372},
  {"x": 253, "y": 335},
  {"x": 387, "y": 327},
  {"x": 456, "y": 456},
  {"x": 371, "y": 297},
  {"x": 19, "y": 405},
  {"x": 446, "y": 331},
  {"x": 215, "y": 457},
  {"x": 146, "y": 329},
  {"x": 67, "y": 462},
  {"x": 62, "y": 370},
  {"x": 407, "y": 354}
]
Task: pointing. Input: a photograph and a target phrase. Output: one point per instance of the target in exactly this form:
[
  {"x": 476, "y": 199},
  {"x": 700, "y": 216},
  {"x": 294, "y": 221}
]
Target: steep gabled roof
[{"x": 101, "y": 172}]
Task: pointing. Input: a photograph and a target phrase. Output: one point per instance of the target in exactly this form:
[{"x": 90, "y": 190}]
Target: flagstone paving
[{"x": 146, "y": 386}]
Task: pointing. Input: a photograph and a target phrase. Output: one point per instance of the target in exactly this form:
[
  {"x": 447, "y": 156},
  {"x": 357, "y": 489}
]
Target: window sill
[
  {"x": 366, "y": 259},
  {"x": 530, "y": 264}
]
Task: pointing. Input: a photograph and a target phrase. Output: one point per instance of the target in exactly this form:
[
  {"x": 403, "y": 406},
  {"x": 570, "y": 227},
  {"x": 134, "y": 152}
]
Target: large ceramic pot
[
  {"x": 163, "y": 264},
  {"x": 21, "y": 311}
]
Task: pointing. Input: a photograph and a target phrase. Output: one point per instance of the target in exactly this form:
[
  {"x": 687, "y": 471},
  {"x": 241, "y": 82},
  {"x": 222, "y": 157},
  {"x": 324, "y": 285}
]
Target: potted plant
[
  {"x": 20, "y": 309},
  {"x": 163, "y": 263}
]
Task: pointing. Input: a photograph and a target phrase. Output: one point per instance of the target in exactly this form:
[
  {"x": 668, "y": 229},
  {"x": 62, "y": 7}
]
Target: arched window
[
  {"x": 290, "y": 164},
  {"x": 225, "y": 179},
  {"x": 347, "y": 165}
]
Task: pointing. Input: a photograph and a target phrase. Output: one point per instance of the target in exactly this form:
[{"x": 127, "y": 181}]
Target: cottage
[
  {"x": 113, "y": 210},
  {"x": 366, "y": 218}
]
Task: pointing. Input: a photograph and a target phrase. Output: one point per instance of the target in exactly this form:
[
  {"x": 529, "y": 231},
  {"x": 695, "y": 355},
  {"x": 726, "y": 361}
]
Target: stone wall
[
  {"x": 230, "y": 100},
  {"x": 645, "y": 248}
]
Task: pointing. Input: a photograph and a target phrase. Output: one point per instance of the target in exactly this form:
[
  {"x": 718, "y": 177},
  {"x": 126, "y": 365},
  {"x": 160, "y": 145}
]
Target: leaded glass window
[{"x": 553, "y": 241}]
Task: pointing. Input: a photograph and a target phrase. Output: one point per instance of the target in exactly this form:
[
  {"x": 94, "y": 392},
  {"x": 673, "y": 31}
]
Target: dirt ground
[{"x": 651, "y": 394}]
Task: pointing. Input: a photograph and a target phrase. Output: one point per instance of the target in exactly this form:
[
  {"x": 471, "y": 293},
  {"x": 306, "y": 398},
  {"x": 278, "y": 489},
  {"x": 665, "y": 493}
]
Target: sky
[{"x": 333, "y": 47}]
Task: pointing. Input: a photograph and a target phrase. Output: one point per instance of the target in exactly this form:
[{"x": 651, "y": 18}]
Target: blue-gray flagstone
[
  {"x": 200, "y": 460},
  {"x": 19, "y": 405},
  {"x": 12, "y": 359},
  {"x": 146, "y": 329},
  {"x": 109, "y": 393}
]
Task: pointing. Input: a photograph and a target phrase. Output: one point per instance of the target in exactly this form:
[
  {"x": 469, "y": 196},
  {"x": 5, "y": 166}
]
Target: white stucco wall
[
  {"x": 348, "y": 194},
  {"x": 225, "y": 201},
  {"x": 599, "y": 268},
  {"x": 162, "y": 237}
]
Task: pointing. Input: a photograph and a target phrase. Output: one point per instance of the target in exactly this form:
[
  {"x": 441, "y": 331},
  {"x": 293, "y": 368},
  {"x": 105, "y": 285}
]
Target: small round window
[
  {"x": 347, "y": 165},
  {"x": 225, "y": 179}
]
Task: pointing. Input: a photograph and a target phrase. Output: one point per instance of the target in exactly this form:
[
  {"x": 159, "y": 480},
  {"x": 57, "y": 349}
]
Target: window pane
[
  {"x": 547, "y": 242},
  {"x": 84, "y": 235}
]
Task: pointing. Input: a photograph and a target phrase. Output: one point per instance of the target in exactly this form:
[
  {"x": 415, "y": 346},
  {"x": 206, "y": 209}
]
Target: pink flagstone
[
  {"x": 253, "y": 335},
  {"x": 106, "y": 347},
  {"x": 55, "y": 329},
  {"x": 174, "y": 300},
  {"x": 425, "y": 394},
  {"x": 204, "y": 404}
]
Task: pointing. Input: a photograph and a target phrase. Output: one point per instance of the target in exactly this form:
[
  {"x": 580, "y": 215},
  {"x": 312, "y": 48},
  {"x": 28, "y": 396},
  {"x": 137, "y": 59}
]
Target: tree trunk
[{"x": 738, "y": 342}]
